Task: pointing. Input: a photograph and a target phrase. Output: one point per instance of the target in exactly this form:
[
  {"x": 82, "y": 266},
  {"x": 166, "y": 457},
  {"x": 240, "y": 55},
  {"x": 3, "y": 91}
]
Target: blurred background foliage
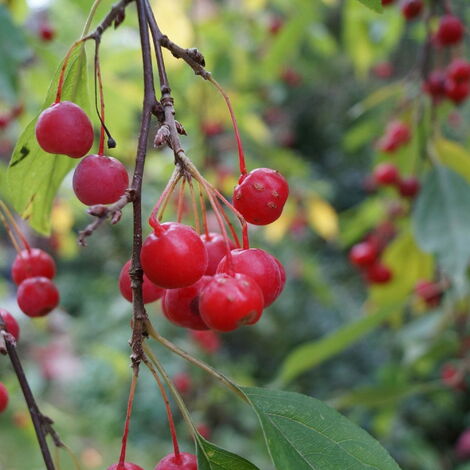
[{"x": 307, "y": 83}]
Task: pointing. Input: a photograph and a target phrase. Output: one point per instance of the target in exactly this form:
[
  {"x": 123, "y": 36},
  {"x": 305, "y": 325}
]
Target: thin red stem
[
  {"x": 62, "y": 70},
  {"x": 167, "y": 192},
  {"x": 100, "y": 87},
  {"x": 203, "y": 211},
  {"x": 194, "y": 207},
  {"x": 130, "y": 402},
  {"x": 10, "y": 223},
  {"x": 179, "y": 210}
]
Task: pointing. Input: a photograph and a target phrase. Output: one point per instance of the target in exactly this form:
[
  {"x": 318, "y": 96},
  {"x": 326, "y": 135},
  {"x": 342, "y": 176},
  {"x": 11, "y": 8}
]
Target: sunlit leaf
[{"x": 322, "y": 217}]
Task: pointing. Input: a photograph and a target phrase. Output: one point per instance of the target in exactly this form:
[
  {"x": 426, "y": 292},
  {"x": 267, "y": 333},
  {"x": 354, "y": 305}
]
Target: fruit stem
[
  {"x": 180, "y": 208},
  {"x": 10, "y": 223},
  {"x": 193, "y": 360},
  {"x": 194, "y": 207},
  {"x": 62, "y": 69},
  {"x": 130, "y": 402},
  {"x": 241, "y": 154},
  {"x": 203, "y": 210},
  {"x": 167, "y": 404},
  {"x": 100, "y": 88}
]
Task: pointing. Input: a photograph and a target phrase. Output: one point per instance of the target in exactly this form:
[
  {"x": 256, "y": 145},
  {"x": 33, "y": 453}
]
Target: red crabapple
[
  {"x": 216, "y": 250},
  {"x": 184, "y": 461},
  {"x": 150, "y": 291},
  {"x": 409, "y": 187},
  {"x": 363, "y": 254},
  {"x": 32, "y": 262},
  {"x": 125, "y": 466},
  {"x": 11, "y": 325},
  {"x": 386, "y": 174},
  {"x": 412, "y": 8},
  {"x": 37, "y": 296},
  {"x": 430, "y": 292},
  {"x": 228, "y": 302},
  {"x": 459, "y": 70},
  {"x": 450, "y": 30},
  {"x": 260, "y": 196},
  {"x": 100, "y": 180},
  {"x": 3, "y": 397},
  {"x": 173, "y": 256},
  {"x": 64, "y": 128},
  {"x": 378, "y": 273},
  {"x": 46, "y": 32},
  {"x": 457, "y": 91}
]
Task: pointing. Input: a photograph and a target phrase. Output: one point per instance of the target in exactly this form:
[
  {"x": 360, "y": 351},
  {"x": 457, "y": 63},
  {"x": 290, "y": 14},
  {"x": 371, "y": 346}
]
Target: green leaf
[
  {"x": 33, "y": 175},
  {"x": 441, "y": 221},
  {"x": 303, "y": 433},
  {"x": 211, "y": 457},
  {"x": 309, "y": 355},
  {"x": 375, "y": 5},
  {"x": 14, "y": 51},
  {"x": 454, "y": 156}
]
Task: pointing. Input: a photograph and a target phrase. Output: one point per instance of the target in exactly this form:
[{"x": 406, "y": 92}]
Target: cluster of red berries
[
  {"x": 387, "y": 174},
  {"x": 397, "y": 134},
  {"x": 430, "y": 292},
  {"x": 64, "y": 128},
  {"x": 182, "y": 461}
]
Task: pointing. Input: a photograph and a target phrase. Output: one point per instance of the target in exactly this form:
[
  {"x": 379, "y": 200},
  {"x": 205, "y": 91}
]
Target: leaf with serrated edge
[{"x": 303, "y": 433}]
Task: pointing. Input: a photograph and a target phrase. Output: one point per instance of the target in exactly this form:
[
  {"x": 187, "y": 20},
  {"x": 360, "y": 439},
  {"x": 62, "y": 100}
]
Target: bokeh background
[{"x": 313, "y": 83}]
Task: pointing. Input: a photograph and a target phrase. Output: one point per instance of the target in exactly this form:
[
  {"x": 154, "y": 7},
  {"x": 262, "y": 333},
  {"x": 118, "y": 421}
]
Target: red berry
[
  {"x": 462, "y": 448},
  {"x": 4, "y": 120},
  {"x": 64, "y": 128},
  {"x": 100, "y": 180},
  {"x": 435, "y": 85},
  {"x": 412, "y": 8},
  {"x": 212, "y": 128},
  {"x": 383, "y": 70},
  {"x": 37, "y": 296},
  {"x": 386, "y": 174},
  {"x": 378, "y": 273},
  {"x": 208, "y": 340},
  {"x": 275, "y": 24},
  {"x": 397, "y": 134},
  {"x": 459, "y": 70},
  {"x": 183, "y": 382},
  {"x": 260, "y": 266},
  {"x": 430, "y": 292},
  {"x": 174, "y": 256},
  {"x": 32, "y": 262},
  {"x": 457, "y": 91},
  {"x": 260, "y": 196},
  {"x": 46, "y": 32},
  {"x": 125, "y": 466},
  {"x": 3, "y": 397},
  {"x": 291, "y": 77},
  {"x": 11, "y": 325},
  {"x": 184, "y": 461},
  {"x": 216, "y": 250},
  {"x": 387, "y": 2},
  {"x": 452, "y": 377},
  {"x": 181, "y": 306},
  {"x": 450, "y": 30},
  {"x": 228, "y": 302},
  {"x": 363, "y": 254},
  {"x": 409, "y": 187},
  {"x": 150, "y": 291}
]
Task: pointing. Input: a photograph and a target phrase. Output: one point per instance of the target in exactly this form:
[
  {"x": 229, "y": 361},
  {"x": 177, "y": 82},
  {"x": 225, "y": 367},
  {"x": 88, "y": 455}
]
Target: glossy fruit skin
[
  {"x": 186, "y": 462},
  {"x": 228, "y": 302},
  {"x": 3, "y": 397},
  {"x": 260, "y": 196},
  {"x": 32, "y": 263},
  {"x": 457, "y": 91},
  {"x": 208, "y": 340},
  {"x": 450, "y": 30},
  {"x": 126, "y": 466},
  {"x": 386, "y": 174},
  {"x": 216, "y": 250},
  {"x": 378, "y": 273},
  {"x": 11, "y": 324},
  {"x": 100, "y": 180},
  {"x": 412, "y": 8},
  {"x": 181, "y": 306},
  {"x": 459, "y": 70},
  {"x": 409, "y": 187},
  {"x": 175, "y": 257},
  {"x": 430, "y": 292},
  {"x": 37, "y": 296},
  {"x": 260, "y": 266},
  {"x": 150, "y": 291},
  {"x": 64, "y": 128},
  {"x": 363, "y": 254}
]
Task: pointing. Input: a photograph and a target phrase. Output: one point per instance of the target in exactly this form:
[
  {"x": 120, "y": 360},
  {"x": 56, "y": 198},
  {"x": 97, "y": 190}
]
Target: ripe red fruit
[
  {"x": 174, "y": 256},
  {"x": 412, "y": 8},
  {"x": 11, "y": 325},
  {"x": 46, "y": 32},
  {"x": 4, "y": 120},
  {"x": 387, "y": 2},
  {"x": 386, "y": 174},
  {"x": 409, "y": 187},
  {"x": 150, "y": 291},
  {"x": 397, "y": 134},
  {"x": 378, "y": 273},
  {"x": 216, "y": 250},
  {"x": 383, "y": 70},
  {"x": 184, "y": 461},
  {"x": 457, "y": 91},
  {"x": 260, "y": 196},
  {"x": 100, "y": 180},
  {"x": 125, "y": 466},
  {"x": 363, "y": 254},
  {"x": 450, "y": 30},
  {"x": 435, "y": 85},
  {"x": 37, "y": 296},
  {"x": 212, "y": 128},
  {"x": 275, "y": 24},
  {"x": 260, "y": 266},
  {"x": 181, "y": 306},
  {"x": 3, "y": 397},
  {"x": 459, "y": 70},
  {"x": 430, "y": 292},
  {"x": 208, "y": 340},
  {"x": 182, "y": 382},
  {"x": 228, "y": 302},
  {"x": 64, "y": 128},
  {"x": 452, "y": 377},
  {"x": 32, "y": 263}
]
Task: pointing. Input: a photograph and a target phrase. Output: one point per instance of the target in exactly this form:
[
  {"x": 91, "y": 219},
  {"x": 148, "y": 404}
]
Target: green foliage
[
  {"x": 375, "y": 5},
  {"x": 303, "y": 433},
  {"x": 33, "y": 175}
]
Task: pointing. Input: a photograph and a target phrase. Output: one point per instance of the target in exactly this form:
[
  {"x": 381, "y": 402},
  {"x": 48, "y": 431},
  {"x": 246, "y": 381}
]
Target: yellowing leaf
[
  {"x": 254, "y": 5},
  {"x": 255, "y": 127},
  {"x": 454, "y": 156},
  {"x": 323, "y": 218},
  {"x": 276, "y": 231}
]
